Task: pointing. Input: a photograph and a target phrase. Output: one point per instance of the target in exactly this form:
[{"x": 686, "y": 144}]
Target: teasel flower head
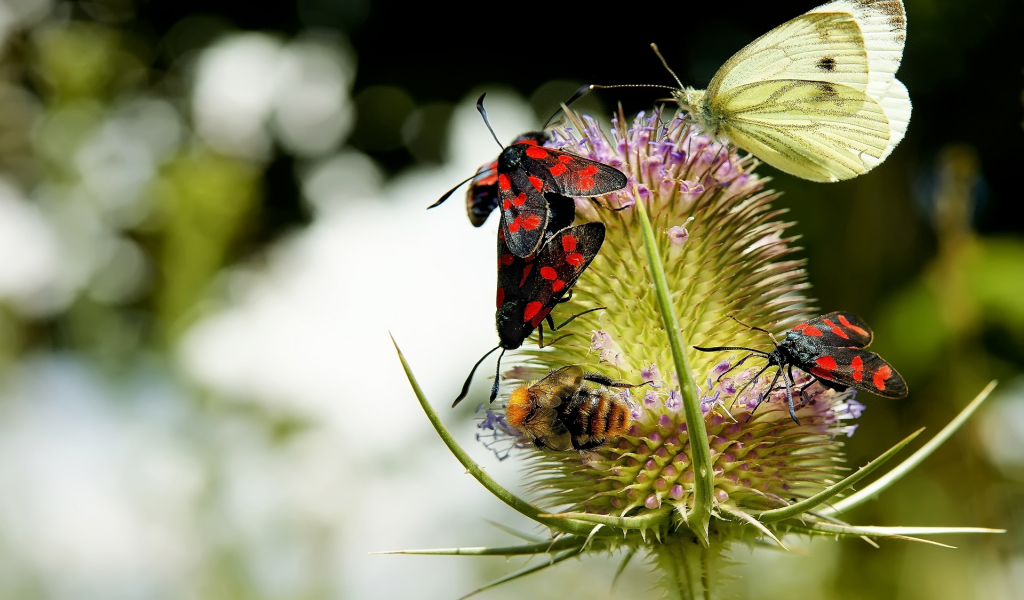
[{"x": 695, "y": 252}]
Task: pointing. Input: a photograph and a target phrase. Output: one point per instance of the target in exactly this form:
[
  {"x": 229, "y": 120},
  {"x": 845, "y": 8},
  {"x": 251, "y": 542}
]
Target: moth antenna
[
  {"x": 469, "y": 380},
  {"x": 668, "y": 68},
  {"x": 483, "y": 113},
  {"x": 756, "y": 329},
  {"x": 451, "y": 191},
  {"x": 497, "y": 375},
  {"x": 576, "y": 96}
]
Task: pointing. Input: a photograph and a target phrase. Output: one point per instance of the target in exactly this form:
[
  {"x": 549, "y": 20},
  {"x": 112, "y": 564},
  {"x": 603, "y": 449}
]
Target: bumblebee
[{"x": 561, "y": 412}]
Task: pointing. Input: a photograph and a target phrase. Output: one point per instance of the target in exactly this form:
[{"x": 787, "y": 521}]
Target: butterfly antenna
[
  {"x": 664, "y": 62},
  {"x": 497, "y": 376},
  {"x": 576, "y": 96},
  {"x": 469, "y": 380},
  {"x": 483, "y": 113},
  {"x": 631, "y": 85}
]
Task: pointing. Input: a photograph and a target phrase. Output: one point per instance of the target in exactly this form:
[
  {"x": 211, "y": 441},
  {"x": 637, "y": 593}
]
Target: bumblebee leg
[
  {"x": 593, "y": 443},
  {"x": 606, "y": 381}
]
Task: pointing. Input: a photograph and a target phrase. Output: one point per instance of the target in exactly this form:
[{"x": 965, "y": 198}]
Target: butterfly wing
[
  {"x": 856, "y": 47},
  {"x": 571, "y": 175},
  {"x": 815, "y": 130},
  {"x": 883, "y": 25},
  {"x": 524, "y": 216},
  {"x": 813, "y": 47},
  {"x": 837, "y": 329},
  {"x": 860, "y": 369},
  {"x": 897, "y": 107}
]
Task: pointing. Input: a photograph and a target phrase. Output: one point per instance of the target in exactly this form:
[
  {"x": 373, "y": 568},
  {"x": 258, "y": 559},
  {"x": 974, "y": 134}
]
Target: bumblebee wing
[
  {"x": 558, "y": 384},
  {"x": 550, "y": 430}
]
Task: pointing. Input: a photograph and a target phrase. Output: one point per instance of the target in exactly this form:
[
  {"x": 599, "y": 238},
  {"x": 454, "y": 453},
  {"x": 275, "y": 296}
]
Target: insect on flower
[
  {"x": 829, "y": 348},
  {"x": 525, "y": 172},
  {"x": 528, "y": 288},
  {"x": 561, "y": 412},
  {"x": 482, "y": 195},
  {"x": 816, "y": 97}
]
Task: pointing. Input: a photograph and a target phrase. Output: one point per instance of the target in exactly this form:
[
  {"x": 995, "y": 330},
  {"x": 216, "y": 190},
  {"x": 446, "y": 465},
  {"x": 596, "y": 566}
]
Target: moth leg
[
  {"x": 741, "y": 361},
  {"x": 789, "y": 394},
  {"x": 567, "y": 298},
  {"x": 752, "y": 380},
  {"x": 569, "y": 320}
]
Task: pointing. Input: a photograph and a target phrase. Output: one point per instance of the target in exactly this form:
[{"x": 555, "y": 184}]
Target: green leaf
[
  {"x": 622, "y": 567},
  {"x": 699, "y": 516},
  {"x": 517, "y": 503},
  {"x": 915, "y": 459},
  {"x": 739, "y": 514},
  {"x": 649, "y": 521},
  {"x": 803, "y": 506},
  {"x": 524, "y": 572},
  {"x": 538, "y": 548},
  {"x": 903, "y": 533}
]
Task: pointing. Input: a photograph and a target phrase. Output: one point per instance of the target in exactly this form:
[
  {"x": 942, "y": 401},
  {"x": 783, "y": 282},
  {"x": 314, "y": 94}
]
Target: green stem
[
  {"x": 699, "y": 515},
  {"x": 685, "y": 567},
  {"x": 517, "y": 503}
]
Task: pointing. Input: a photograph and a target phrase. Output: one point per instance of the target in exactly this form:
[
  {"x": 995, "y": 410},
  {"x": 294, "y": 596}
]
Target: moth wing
[
  {"x": 524, "y": 216},
  {"x": 571, "y": 175},
  {"x": 837, "y": 329},
  {"x": 561, "y": 261},
  {"x": 814, "y": 130},
  {"x": 825, "y": 46},
  {"x": 482, "y": 195},
  {"x": 861, "y": 369}
]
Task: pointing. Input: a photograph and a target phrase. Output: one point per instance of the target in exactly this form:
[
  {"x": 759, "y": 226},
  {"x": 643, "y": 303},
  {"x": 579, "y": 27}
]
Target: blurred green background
[{"x": 211, "y": 214}]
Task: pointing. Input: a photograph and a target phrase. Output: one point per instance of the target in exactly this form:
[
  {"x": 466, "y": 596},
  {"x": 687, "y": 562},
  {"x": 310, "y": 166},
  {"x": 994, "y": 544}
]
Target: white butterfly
[{"x": 816, "y": 97}]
